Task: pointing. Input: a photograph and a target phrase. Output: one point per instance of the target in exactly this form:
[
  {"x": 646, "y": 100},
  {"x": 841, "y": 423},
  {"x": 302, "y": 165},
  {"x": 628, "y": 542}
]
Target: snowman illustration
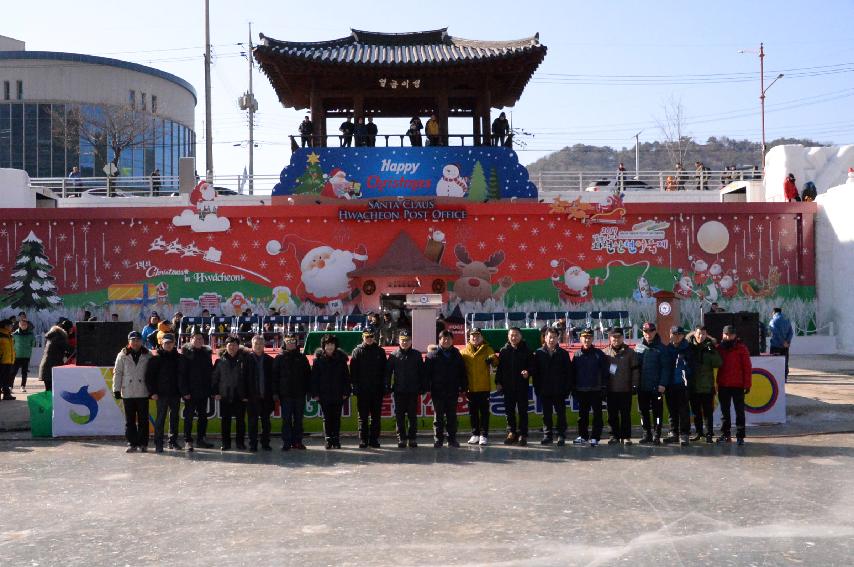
[{"x": 452, "y": 184}]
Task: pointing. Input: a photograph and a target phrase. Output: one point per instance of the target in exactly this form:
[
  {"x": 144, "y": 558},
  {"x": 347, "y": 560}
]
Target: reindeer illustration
[{"x": 475, "y": 281}]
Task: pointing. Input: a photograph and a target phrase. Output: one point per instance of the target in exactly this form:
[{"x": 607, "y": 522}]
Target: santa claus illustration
[
  {"x": 337, "y": 186},
  {"x": 325, "y": 274},
  {"x": 700, "y": 269},
  {"x": 574, "y": 285},
  {"x": 728, "y": 287},
  {"x": 203, "y": 196},
  {"x": 684, "y": 287},
  {"x": 716, "y": 272}
]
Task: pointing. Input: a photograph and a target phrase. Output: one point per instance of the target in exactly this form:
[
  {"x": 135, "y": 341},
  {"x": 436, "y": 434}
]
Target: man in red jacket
[{"x": 734, "y": 378}]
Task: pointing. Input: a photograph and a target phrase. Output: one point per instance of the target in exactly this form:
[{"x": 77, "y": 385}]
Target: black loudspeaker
[
  {"x": 98, "y": 342},
  {"x": 746, "y": 325}
]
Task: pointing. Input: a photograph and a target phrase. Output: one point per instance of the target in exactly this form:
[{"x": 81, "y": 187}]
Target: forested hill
[{"x": 716, "y": 153}]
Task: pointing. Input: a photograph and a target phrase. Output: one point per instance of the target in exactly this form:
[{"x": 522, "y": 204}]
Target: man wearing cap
[
  {"x": 445, "y": 375},
  {"x": 734, "y": 381},
  {"x": 479, "y": 359},
  {"x": 161, "y": 378},
  {"x": 195, "y": 387},
  {"x": 512, "y": 378},
  {"x": 229, "y": 384},
  {"x": 682, "y": 365},
  {"x": 654, "y": 375},
  {"x": 330, "y": 385},
  {"x": 367, "y": 375},
  {"x": 7, "y": 359},
  {"x": 590, "y": 381},
  {"x": 623, "y": 381},
  {"x": 404, "y": 376},
  {"x": 552, "y": 377},
  {"x": 702, "y": 385},
  {"x": 129, "y": 385},
  {"x": 260, "y": 394},
  {"x": 291, "y": 383}
]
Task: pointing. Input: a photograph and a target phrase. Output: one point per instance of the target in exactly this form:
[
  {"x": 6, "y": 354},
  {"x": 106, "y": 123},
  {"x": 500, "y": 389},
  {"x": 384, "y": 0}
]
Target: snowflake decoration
[
  {"x": 289, "y": 276},
  {"x": 243, "y": 257},
  {"x": 117, "y": 249},
  {"x": 481, "y": 244},
  {"x": 256, "y": 244},
  {"x": 558, "y": 245},
  {"x": 749, "y": 271},
  {"x": 126, "y": 263},
  {"x": 581, "y": 257},
  {"x": 145, "y": 229},
  {"x": 210, "y": 238},
  {"x": 116, "y": 275},
  {"x": 170, "y": 228},
  {"x": 235, "y": 244},
  {"x": 679, "y": 244},
  {"x": 62, "y": 237},
  {"x": 515, "y": 226},
  {"x": 751, "y": 255},
  {"x": 97, "y": 280},
  {"x": 282, "y": 261},
  {"x": 85, "y": 229},
  {"x": 84, "y": 262},
  {"x": 804, "y": 251},
  {"x": 512, "y": 267},
  {"x": 132, "y": 242},
  {"x": 106, "y": 265},
  {"x": 659, "y": 259},
  {"x": 529, "y": 264},
  {"x": 790, "y": 248},
  {"x": 500, "y": 238},
  {"x": 535, "y": 231},
  {"x": 784, "y": 232},
  {"x": 74, "y": 285},
  {"x": 579, "y": 237},
  {"x": 600, "y": 259},
  {"x": 567, "y": 233},
  {"x": 262, "y": 264},
  {"x": 684, "y": 230},
  {"x": 4, "y": 232},
  {"x": 736, "y": 229},
  {"x": 542, "y": 249},
  {"x": 523, "y": 246},
  {"x": 551, "y": 225},
  {"x": 785, "y": 261}
]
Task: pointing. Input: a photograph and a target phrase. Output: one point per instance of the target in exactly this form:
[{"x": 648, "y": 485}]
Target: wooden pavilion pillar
[
  {"x": 476, "y": 120},
  {"x": 318, "y": 116},
  {"x": 358, "y": 107},
  {"x": 486, "y": 105},
  {"x": 442, "y": 114}
]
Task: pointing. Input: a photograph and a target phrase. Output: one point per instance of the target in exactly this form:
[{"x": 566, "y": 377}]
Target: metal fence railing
[
  {"x": 709, "y": 180},
  {"x": 147, "y": 186}
]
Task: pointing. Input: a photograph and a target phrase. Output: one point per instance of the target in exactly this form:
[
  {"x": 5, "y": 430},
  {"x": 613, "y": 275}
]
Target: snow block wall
[
  {"x": 15, "y": 188},
  {"x": 835, "y": 263},
  {"x": 826, "y": 167}
]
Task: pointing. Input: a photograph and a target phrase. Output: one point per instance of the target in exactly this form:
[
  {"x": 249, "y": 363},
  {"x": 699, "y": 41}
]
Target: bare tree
[
  {"x": 118, "y": 128},
  {"x": 676, "y": 140}
]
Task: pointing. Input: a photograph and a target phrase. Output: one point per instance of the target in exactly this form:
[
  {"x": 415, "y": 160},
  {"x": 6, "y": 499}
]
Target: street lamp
[{"x": 762, "y": 90}]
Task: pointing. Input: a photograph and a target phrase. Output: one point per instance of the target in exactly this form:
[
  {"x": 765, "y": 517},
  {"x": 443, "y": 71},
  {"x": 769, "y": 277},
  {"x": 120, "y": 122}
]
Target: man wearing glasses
[
  {"x": 291, "y": 382},
  {"x": 405, "y": 378}
]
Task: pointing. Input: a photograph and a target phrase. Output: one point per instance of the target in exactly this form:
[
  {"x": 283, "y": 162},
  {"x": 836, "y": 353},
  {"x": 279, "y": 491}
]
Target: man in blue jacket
[
  {"x": 781, "y": 335},
  {"x": 590, "y": 373},
  {"x": 682, "y": 366},
  {"x": 655, "y": 373}
]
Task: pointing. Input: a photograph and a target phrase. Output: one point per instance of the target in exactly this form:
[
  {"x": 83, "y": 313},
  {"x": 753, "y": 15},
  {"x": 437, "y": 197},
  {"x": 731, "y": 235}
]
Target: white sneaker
[
  {"x": 482, "y": 440},
  {"x": 473, "y": 440},
  {"x": 580, "y": 441},
  {"x": 594, "y": 442}
]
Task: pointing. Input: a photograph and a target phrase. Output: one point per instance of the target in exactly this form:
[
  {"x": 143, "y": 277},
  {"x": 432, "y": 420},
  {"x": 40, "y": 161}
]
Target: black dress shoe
[
  {"x": 413, "y": 444},
  {"x": 363, "y": 444},
  {"x": 241, "y": 446},
  {"x": 401, "y": 444},
  {"x": 374, "y": 444},
  {"x": 204, "y": 444},
  {"x": 266, "y": 447},
  {"x": 253, "y": 448}
]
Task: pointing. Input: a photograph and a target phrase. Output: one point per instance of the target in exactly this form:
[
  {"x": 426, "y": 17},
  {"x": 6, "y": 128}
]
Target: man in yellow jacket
[
  {"x": 7, "y": 359},
  {"x": 479, "y": 359}
]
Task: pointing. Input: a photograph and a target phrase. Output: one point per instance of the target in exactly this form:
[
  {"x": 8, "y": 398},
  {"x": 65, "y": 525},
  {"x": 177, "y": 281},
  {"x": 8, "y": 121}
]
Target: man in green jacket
[
  {"x": 25, "y": 340},
  {"x": 701, "y": 388}
]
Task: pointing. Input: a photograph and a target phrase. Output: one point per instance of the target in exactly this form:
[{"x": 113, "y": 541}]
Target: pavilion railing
[{"x": 401, "y": 140}]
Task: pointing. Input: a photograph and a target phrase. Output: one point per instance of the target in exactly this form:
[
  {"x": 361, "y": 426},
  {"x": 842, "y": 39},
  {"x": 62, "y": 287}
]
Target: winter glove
[{"x": 117, "y": 395}]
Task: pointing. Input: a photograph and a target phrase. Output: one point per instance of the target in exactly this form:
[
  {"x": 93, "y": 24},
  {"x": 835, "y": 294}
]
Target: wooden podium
[{"x": 666, "y": 313}]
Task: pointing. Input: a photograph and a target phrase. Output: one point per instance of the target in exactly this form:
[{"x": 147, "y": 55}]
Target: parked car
[
  {"x": 100, "y": 192},
  {"x": 610, "y": 185}
]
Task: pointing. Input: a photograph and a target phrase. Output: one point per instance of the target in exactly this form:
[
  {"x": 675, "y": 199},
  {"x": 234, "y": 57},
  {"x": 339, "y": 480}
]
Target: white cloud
[{"x": 211, "y": 222}]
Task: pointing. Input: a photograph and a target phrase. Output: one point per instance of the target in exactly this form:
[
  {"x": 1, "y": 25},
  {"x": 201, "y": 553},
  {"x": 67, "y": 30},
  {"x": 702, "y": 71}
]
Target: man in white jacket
[{"x": 129, "y": 385}]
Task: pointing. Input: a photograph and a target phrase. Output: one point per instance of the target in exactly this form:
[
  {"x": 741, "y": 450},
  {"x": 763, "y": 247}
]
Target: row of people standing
[{"x": 365, "y": 133}]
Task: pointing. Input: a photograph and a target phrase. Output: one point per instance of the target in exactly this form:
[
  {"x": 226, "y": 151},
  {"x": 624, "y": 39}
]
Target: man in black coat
[
  {"x": 405, "y": 378},
  {"x": 590, "y": 380},
  {"x": 229, "y": 385},
  {"x": 367, "y": 375},
  {"x": 195, "y": 386},
  {"x": 552, "y": 378},
  {"x": 445, "y": 374},
  {"x": 260, "y": 390},
  {"x": 291, "y": 383},
  {"x": 161, "y": 379},
  {"x": 512, "y": 378},
  {"x": 330, "y": 385}
]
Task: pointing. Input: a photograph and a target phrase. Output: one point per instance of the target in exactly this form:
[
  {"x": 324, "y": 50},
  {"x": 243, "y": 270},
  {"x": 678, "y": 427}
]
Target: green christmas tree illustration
[
  {"x": 477, "y": 187},
  {"x": 494, "y": 185},
  {"x": 32, "y": 286},
  {"x": 311, "y": 180}
]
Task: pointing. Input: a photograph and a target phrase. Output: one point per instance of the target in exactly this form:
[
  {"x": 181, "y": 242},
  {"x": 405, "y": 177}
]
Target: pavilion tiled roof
[
  {"x": 433, "y": 47},
  {"x": 403, "y": 258}
]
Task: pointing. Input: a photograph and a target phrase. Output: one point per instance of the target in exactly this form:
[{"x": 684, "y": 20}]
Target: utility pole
[
  {"x": 208, "y": 125},
  {"x": 637, "y": 154},
  {"x": 762, "y": 98},
  {"x": 249, "y": 103}
]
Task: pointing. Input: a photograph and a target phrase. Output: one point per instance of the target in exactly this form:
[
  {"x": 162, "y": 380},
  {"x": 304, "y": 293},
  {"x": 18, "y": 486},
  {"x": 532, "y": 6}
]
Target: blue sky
[{"x": 610, "y": 68}]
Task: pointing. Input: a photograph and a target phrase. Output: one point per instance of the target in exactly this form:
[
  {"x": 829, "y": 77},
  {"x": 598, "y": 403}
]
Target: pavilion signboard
[{"x": 400, "y": 209}]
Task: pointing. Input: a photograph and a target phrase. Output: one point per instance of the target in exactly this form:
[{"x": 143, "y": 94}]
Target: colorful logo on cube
[
  {"x": 83, "y": 397},
  {"x": 764, "y": 391}
]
